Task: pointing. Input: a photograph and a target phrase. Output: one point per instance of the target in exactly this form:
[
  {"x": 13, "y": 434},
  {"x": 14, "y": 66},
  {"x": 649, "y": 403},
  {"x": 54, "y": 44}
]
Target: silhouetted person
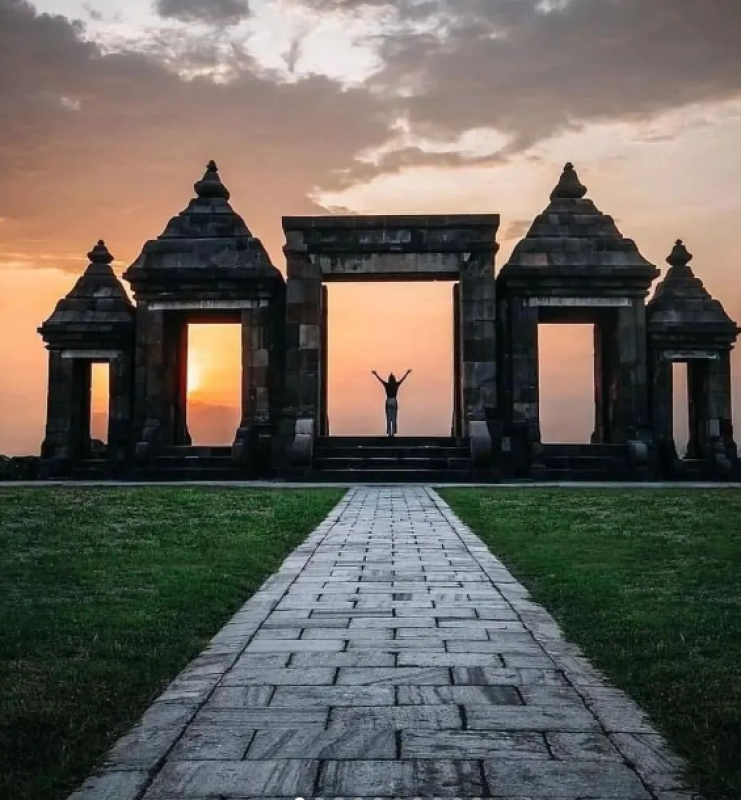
[{"x": 392, "y": 402}]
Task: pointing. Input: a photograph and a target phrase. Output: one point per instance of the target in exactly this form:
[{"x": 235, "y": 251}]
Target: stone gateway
[{"x": 573, "y": 266}]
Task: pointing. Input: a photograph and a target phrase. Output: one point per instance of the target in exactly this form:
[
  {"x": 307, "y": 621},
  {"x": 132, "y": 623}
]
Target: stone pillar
[
  {"x": 151, "y": 364},
  {"x": 606, "y": 378},
  {"x": 324, "y": 365},
  {"x": 252, "y": 443},
  {"x": 720, "y": 404},
  {"x": 477, "y": 303},
  {"x": 120, "y": 409},
  {"x": 457, "y": 425},
  {"x": 68, "y": 403},
  {"x": 630, "y": 419},
  {"x": 304, "y": 334},
  {"x": 525, "y": 376},
  {"x": 302, "y": 392},
  {"x": 177, "y": 359}
]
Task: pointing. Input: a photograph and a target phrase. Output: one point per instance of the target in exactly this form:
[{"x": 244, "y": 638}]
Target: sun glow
[{"x": 195, "y": 376}]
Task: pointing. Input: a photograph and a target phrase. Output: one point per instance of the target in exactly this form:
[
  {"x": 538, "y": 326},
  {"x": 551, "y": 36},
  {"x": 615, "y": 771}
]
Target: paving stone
[
  {"x": 357, "y": 658},
  {"x": 213, "y": 742},
  {"x": 334, "y": 743},
  {"x": 233, "y": 779},
  {"x": 560, "y": 779},
  {"x": 530, "y": 718},
  {"x": 151, "y": 738},
  {"x": 656, "y": 763},
  {"x": 399, "y": 717},
  {"x": 460, "y": 695},
  {"x": 260, "y": 676},
  {"x": 494, "y": 676},
  {"x": 112, "y": 785},
  {"x": 330, "y": 696},
  {"x": 397, "y": 676},
  {"x": 413, "y": 778},
  {"x": 582, "y": 747},
  {"x": 435, "y": 658},
  {"x": 472, "y": 744},
  {"x": 251, "y": 696}
]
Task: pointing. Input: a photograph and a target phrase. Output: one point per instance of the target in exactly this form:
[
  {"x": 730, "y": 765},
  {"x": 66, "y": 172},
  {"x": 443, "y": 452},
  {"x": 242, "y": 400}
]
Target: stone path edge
[
  {"x": 167, "y": 718},
  {"x": 621, "y": 719}
]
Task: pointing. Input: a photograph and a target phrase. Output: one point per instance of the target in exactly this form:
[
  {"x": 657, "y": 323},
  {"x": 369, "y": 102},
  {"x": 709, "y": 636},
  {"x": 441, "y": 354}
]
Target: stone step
[
  {"x": 581, "y": 463},
  {"x": 392, "y": 476},
  {"x": 158, "y": 473},
  {"x": 577, "y": 450},
  {"x": 395, "y": 441},
  {"x": 324, "y": 451},
  {"x": 223, "y": 451},
  {"x": 405, "y": 464}
]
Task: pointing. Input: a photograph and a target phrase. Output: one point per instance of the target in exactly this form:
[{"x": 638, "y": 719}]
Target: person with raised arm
[{"x": 392, "y": 386}]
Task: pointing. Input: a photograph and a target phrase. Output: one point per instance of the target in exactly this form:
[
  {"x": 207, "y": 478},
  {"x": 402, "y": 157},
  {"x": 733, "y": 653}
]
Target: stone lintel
[
  {"x": 392, "y": 266},
  {"x": 206, "y": 305},
  {"x": 579, "y": 302},
  {"x": 91, "y": 355},
  {"x": 692, "y": 355}
]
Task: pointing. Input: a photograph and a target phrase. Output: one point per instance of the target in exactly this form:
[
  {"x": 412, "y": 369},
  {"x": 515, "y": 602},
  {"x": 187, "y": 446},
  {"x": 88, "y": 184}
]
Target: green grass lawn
[
  {"x": 105, "y": 594},
  {"x": 649, "y": 584}
]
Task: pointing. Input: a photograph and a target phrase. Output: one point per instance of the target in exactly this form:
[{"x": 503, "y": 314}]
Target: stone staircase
[
  {"x": 403, "y": 459},
  {"x": 586, "y": 462},
  {"x": 191, "y": 463}
]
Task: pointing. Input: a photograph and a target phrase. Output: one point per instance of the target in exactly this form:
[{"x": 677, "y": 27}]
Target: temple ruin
[{"x": 573, "y": 266}]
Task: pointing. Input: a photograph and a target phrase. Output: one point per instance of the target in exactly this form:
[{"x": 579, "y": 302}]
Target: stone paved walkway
[{"x": 391, "y": 656}]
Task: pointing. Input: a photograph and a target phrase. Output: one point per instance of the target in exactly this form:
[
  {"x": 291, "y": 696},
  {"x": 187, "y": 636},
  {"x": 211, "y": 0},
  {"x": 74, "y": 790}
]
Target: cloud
[
  {"x": 125, "y": 160},
  {"x": 212, "y": 12},
  {"x": 532, "y": 73}
]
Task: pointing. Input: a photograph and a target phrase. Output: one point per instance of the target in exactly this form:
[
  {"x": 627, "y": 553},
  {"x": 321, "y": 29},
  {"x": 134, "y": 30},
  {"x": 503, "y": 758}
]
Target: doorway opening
[
  {"x": 100, "y": 393},
  {"x": 214, "y": 383},
  {"x": 567, "y": 394},
  {"x": 390, "y": 328},
  {"x": 680, "y": 405}
]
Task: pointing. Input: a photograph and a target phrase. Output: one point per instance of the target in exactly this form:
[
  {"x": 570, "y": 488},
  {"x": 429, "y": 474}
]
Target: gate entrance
[{"x": 460, "y": 249}]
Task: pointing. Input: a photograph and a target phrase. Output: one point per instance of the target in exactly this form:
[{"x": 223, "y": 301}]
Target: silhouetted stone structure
[{"x": 573, "y": 266}]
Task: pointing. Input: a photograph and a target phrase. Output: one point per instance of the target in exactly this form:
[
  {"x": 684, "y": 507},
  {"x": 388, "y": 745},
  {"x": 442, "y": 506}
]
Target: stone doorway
[{"x": 390, "y": 328}]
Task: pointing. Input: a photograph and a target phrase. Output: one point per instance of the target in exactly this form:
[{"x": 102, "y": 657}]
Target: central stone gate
[{"x": 456, "y": 248}]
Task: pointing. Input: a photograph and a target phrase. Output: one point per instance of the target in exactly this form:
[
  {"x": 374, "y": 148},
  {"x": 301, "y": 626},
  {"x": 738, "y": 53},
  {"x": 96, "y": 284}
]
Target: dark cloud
[
  {"x": 212, "y": 12},
  {"x": 98, "y": 145},
  {"x": 509, "y": 65}
]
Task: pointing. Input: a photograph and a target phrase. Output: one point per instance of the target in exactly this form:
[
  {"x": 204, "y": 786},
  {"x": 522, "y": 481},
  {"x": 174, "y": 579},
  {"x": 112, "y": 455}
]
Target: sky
[{"x": 110, "y": 109}]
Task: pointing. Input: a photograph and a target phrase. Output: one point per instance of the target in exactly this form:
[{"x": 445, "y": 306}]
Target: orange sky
[{"x": 363, "y": 107}]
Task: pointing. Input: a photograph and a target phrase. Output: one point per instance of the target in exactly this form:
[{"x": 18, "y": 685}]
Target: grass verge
[
  {"x": 649, "y": 584},
  {"x": 105, "y": 594}
]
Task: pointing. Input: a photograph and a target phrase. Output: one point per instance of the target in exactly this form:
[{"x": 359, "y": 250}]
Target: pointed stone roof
[
  {"x": 97, "y": 304},
  {"x": 208, "y": 240},
  {"x": 682, "y": 304},
  {"x": 573, "y": 239}
]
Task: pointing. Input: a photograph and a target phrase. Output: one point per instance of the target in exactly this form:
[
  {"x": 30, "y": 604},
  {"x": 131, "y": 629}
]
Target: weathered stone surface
[
  {"x": 198, "y": 780},
  {"x": 334, "y": 743},
  {"x": 531, "y": 718},
  {"x": 412, "y": 778},
  {"x": 541, "y": 779},
  {"x": 459, "y": 695},
  {"x": 472, "y": 744},
  {"x": 326, "y": 696}
]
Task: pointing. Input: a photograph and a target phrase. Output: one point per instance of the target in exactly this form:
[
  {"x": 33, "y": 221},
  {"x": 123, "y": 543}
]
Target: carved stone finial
[
  {"x": 680, "y": 257},
  {"x": 569, "y": 186},
  {"x": 100, "y": 254},
  {"x": 210, "y": 186}
]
